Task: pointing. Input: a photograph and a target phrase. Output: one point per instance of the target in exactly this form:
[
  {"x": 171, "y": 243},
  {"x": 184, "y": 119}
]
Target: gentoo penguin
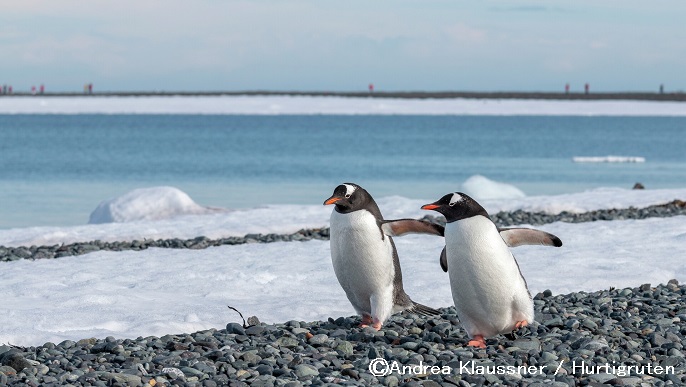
[
  {"x": 364, "y": 256},
  {"x": 489, "y": 291}
]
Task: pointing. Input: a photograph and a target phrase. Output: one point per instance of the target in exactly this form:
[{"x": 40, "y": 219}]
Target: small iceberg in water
[
  {"x": 608, "y": 159},
  {"x": 155, "y": 203}
]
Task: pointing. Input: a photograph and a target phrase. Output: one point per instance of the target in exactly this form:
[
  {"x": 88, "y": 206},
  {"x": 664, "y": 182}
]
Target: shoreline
[
  {"x": 572, "y": 96},
  {"x": 626, "y": 336}
]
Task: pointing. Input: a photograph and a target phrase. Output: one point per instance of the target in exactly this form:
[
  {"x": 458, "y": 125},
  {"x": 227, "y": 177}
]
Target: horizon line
[{"x": 678, "y": 96}]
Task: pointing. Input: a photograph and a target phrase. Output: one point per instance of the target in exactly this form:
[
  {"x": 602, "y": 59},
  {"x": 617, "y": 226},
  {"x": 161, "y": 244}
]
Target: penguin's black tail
[{"x": 423, "y": 310}]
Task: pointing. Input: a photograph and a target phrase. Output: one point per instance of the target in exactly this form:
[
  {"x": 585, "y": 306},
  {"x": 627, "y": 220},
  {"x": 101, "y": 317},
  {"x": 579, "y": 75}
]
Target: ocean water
[{"x": 55, "y": 169}]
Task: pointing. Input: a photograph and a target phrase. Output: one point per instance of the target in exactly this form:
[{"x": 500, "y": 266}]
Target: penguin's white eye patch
[
  {"x": 455, "y": 199},
  {"x": 349, "y": 189}
]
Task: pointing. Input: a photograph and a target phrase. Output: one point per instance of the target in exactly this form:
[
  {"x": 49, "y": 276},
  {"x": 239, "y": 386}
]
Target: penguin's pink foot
[
  {"x": 521, "y": 324},
  {"x": 366, "y": 320},
  {"x": 478, "y": 341},
  {"x": 376, "y": 325}
]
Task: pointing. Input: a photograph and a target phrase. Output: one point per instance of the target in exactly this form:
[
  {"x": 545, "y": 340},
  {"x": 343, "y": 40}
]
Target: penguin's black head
[
  {"x": 349, "y": 197},
  {"x": 455, "y": 206}
]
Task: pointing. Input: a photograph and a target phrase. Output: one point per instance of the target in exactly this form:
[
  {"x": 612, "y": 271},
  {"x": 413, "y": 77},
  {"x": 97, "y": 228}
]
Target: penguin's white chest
[
  {"x": 362, "y": 258},
  {"x": 489, "y": 292}
]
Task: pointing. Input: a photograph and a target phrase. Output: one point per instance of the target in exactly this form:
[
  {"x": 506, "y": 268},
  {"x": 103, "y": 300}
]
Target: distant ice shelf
[
  {"x": 294, "y": 105},
  {"x": 609, "y": 159}
]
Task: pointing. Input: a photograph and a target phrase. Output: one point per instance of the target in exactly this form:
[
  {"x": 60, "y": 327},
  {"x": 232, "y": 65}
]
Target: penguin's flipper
[
  {"x": 444, "y": 260},
  {"x": 407, "y": 226},
  {"x": 514, "y": 237},
  {"x": 423, "y": 310}
]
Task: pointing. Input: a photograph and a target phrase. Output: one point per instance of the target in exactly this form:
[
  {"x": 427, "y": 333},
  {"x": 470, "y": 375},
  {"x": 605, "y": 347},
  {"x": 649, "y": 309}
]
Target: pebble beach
[{"x": 629, "y": 336}]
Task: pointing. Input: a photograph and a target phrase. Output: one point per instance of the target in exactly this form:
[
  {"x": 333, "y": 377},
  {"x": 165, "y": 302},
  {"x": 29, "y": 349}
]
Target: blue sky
[{"x": 343, "y": 46}]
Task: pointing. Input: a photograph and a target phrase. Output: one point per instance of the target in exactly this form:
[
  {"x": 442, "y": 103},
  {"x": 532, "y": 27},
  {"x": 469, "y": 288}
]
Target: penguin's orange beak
[
  {"x": 429, "y": 207},
  {"x": 331, "y": 200}
]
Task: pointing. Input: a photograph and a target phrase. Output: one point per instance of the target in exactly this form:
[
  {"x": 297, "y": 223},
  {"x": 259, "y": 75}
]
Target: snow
[
  {"x": 164, "y": 291},
  {"x": 272, "y": 105},
  {"x": 591, "y": 200},
  {"x": 282, "y": 219},
  {"x": 482, "y": 188},
  {"x": 155, "y": 203}
]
